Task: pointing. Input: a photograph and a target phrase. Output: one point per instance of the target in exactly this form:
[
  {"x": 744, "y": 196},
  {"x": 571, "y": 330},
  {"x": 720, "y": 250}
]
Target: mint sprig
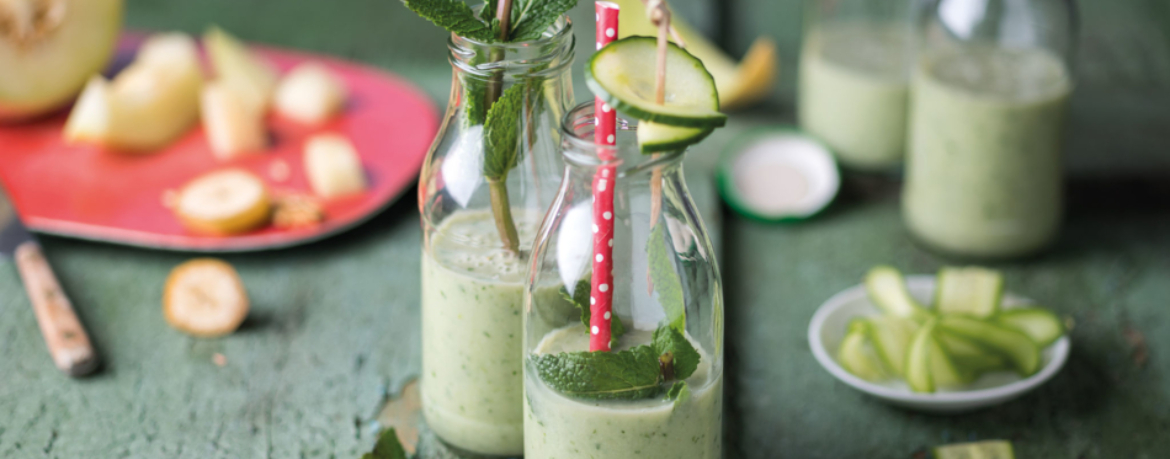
[
  {"x": 668, "y": 342},
  {"x": 456, "y": 17},
  {"x": 387, "y": 447},
  {"x": 666, "y": 281},
  {"x": 530, "y": 18},
  {"x": 502, "y": 134},
  {"x": 680, "y": 392}
]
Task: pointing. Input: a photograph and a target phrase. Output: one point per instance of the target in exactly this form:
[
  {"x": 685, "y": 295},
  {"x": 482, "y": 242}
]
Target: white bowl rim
[{"x": 1060, "y": 353}]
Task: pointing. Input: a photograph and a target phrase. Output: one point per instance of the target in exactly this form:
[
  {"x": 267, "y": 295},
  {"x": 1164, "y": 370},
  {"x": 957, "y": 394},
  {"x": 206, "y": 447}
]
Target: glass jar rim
[{"x": 518, "y": 59}]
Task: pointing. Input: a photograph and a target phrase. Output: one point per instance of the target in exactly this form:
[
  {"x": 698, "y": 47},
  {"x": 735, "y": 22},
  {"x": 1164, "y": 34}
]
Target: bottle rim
[{"x": 555, "y": 49}]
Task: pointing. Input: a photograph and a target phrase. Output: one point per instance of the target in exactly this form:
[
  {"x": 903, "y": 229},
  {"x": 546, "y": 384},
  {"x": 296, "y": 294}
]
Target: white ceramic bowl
[{"x": 829, "y": 325}]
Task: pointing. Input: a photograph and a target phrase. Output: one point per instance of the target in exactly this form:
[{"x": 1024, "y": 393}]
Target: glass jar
[
  {"x": 665, "y": 281},
  {"x": 478, "y": 226},
  {"x": 855, "y": 78},
  {"x": 984, "y": 173}
]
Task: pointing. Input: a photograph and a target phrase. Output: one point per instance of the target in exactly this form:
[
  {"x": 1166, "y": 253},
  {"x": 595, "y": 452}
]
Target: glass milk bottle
[
  {"x": 666, "y": 320},
  {"x": 984, "y": 175},
  {"x": 854, "y": 78},
  {"x": 490, "y": 175}
]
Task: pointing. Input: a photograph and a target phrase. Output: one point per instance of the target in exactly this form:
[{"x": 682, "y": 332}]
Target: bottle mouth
[
  {"x": 552, "y": 53},
  {"x": 579, "y": 148}
]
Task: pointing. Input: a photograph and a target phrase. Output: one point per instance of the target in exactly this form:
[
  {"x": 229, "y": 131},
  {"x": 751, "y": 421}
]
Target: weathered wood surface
[{"x": 335, "y": 324}]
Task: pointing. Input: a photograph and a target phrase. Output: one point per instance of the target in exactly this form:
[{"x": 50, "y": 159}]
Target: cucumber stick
[
  {"x": 973, "y": 291},
  {"x": 1016, "y": 347},
  {"x": 858, "y": 356},
  {"x": 623, "y": 75},
  {"x": 928, "y": 366},
  {"x": 891, "y": 337},
  {"x": 1039, "y": 324},
  {"x": 655, "y": 137},
  {"x": 887, "y": 289},
  {"x": 968, "y": 355},
  {"x": 992, "y": 449}
]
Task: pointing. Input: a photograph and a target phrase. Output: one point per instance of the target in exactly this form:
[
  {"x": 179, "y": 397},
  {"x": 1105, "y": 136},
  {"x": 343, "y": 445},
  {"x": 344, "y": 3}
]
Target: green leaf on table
[
  {"x": 530, "y": 18},
  {"x": 631, "y": 374},
  {"x": 682, "y": 354},
  {"x": 580, "y": 299},
  {"x": 387, "y": 447},
  {"x": 666, "y": 281},
  {"x": 501, "y": 134},
  {"x": 679, "y": 392},
  {"x": 456, "y": 17}
]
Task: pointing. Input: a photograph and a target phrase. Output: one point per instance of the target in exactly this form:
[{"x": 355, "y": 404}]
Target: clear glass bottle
[
  {"x": 984, "y": 172},
  {"x": 855, "y": 78},
  {"x": 478, "y": 227},
  {"x": 664, "y": 274}
]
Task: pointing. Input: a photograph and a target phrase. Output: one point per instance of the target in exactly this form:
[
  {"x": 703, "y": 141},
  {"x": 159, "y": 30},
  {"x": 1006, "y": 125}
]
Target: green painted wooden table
[{"x": 334, "y": 326}]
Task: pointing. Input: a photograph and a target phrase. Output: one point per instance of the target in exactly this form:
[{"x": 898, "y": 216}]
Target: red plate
[{"x": 88, "y": 193}]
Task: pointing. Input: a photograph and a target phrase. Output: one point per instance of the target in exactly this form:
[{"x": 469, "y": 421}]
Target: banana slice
[
  {"x": 333, "y": 166},
  {"x": 204, "y": 297},
  {"x": 310, "y": 94},
  {"x": 224, "y": 202}
]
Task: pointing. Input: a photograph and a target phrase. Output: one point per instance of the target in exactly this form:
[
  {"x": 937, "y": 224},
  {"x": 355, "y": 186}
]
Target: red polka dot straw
[{"x": 601, "y": 294}]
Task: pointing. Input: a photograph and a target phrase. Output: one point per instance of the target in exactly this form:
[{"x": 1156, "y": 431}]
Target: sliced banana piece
[
  {"x": 333, "y": 166},
  {"x": 310, "y": 94},
  {"x": 232, "y": 124},
  {"x": 204, "y": 297},
  {"x": 224, "y": 202}
]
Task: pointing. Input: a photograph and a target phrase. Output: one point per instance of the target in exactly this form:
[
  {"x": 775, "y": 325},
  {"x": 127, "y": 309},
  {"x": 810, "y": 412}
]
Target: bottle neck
[{"x": 547, "y": 57}]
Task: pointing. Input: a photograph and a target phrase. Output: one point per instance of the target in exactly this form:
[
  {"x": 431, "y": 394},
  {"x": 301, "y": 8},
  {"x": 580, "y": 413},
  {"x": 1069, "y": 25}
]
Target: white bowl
[{"x": 829, "y": 325}]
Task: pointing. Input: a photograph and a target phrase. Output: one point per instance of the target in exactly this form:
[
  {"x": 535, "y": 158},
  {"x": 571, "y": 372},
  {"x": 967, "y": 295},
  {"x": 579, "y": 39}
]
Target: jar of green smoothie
[
  {"x": 492, "y": 171},
  {"x": 854, "y": 78},
  {"x": 989, "y": 89}
]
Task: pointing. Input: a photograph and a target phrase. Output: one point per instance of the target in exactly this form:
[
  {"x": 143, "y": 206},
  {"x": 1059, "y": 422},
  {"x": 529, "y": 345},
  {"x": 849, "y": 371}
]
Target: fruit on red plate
[
  {"x": 240, "y": 68},
  {"x": 224, "y": 202},
  {"x": 49, "y": 48},
  {"x": 231, "y": 123},
  {"x": 333, "y": 166},
  {"x": 148, "y": 105},
  {"x": 204, "y": 297},
  {"x": 310, "y": 94}
]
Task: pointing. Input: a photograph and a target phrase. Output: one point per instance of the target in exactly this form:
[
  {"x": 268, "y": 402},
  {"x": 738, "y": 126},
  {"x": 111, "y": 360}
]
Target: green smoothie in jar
[{"x": 983, "y": 173}]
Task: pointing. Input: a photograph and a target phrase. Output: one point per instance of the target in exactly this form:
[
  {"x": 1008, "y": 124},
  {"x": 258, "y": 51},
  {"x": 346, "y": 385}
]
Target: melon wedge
[
  {"x": 237, "y": 66},
  {"x": 739, "y": 84}
]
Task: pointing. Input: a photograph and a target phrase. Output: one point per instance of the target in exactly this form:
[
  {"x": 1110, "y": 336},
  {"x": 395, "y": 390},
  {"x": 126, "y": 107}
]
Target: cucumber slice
[
  {"x": 968, "y": 355},
  {"x": 1038, "y": 323},
  {"x": 858, "y": 356},
  {"x": 623, "y": 75},
  {"x": 891, "y": 337},
  {"x": 1021, "y": 351},
  {"x": 991, "y": 449},
  {"x": 776, "y": 175},
  {"x": 973, "y": 291},
  {"x": 655, "y": 137},
  {"x": 928, "y": 366},
  {"x": 888, "y": 291}
]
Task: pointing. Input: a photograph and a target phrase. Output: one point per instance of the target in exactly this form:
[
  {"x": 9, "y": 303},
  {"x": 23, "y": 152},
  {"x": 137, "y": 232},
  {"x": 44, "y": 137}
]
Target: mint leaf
[
  {"x": 501, "y": 134},
  {"x": 489, "y": 10},
  {"x": 685, "y": 359},
  {"x": 580, "y": 299},
  {"x": 387, "y": 447},
  {"x": 624, "y": 375},
  {"x": 679, "y": 392},
  {"x": 456, "y": 17},
  {"x": 666, "y": 282},
  {"x": 530, "y": 18}
]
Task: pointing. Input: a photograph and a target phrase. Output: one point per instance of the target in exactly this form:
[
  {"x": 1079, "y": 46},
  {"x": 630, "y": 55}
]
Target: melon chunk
[
  {"x": 49, "y": 48},
  {"x": 231, "y": 122},
  {"x": 239, "y": 67},
  {"x": 310, "y": 94},
  {"x": 333, "y": 166}
]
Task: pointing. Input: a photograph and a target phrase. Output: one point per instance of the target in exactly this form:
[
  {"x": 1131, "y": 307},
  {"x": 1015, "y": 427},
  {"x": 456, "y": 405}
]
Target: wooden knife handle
[{"x": 64, "y": 335}]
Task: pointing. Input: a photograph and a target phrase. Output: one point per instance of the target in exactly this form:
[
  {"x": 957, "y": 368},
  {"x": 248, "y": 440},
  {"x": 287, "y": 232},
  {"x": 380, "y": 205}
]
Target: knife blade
[{"x": 64, "y": 335}]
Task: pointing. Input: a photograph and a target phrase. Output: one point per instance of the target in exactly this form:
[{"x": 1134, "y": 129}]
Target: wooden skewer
[{"x": 658, "y": 13}]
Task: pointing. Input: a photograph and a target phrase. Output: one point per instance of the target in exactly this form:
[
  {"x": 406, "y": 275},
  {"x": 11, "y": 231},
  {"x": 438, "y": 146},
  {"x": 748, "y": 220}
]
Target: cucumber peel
[
  {"x": 973, "y": 291},
  {"x": 891, "y": 337},
  {"x": 887, "y": 289},
  {"x": 970, "y": 355},
  {"x": 858, "y": 356},
  {"x": 1039, "y": 324},
  {"x": 991, "y": 449},
  {"x": 656, "y": 137},
  {"x": 1016, "y": 347},
  {"x": 623, "y": 75}
]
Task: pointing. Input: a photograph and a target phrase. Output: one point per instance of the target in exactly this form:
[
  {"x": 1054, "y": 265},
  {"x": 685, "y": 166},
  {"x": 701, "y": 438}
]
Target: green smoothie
[
  {"x": 472, "y": 334},
  {"x": 559, "y": 427},
  {"x": 983, "y": 177},
  {"x": 854, "y": 81}
]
